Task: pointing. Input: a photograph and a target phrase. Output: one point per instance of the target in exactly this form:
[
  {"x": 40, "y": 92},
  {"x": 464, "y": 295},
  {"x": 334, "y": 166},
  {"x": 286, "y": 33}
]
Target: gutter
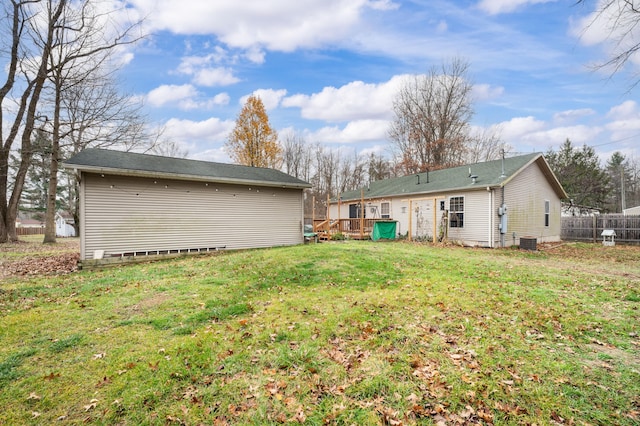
[{"x": 476, "y": 187}]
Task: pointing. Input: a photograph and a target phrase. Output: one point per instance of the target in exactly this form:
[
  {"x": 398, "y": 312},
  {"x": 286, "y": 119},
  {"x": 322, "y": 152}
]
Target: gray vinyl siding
[
  {"x": 525, "y": 197},
  {"x": 130, "y": 214}
]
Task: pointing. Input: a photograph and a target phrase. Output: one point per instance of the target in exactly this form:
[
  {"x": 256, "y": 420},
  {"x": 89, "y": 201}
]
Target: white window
[
  {"x": 456, "y": 212},
  {"x": 547, "y": 208},
  {"x": 384, "y": 210}
]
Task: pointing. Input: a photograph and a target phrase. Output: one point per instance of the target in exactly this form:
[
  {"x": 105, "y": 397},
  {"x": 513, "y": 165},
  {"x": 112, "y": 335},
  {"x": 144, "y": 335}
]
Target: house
[
  {"x": 64, "y": 225},
  {"x": 138, "y": 205},
  {"x": 631, "y": 211},
  {"x": 490, "y": 204},
  {"x": 573, "y": 210},
  {"x": 29, "y": 223}
]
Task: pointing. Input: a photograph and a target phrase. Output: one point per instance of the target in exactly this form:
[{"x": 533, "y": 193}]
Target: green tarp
[{"x": 384, "y": 229}]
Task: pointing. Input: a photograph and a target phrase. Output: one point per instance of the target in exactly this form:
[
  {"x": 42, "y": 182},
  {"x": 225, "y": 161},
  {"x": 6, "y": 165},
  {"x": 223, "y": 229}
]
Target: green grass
[{"x": 333, "y": 333}]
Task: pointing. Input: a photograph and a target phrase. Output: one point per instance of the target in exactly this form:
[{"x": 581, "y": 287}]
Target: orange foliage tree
[{"x": 253, "y": 142}]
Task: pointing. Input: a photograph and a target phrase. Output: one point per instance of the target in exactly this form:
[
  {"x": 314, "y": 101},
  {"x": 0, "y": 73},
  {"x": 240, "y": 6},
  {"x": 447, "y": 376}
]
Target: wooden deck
[{"x": 355, "y": 229}]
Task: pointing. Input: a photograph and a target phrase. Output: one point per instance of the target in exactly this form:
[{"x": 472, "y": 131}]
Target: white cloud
[
  {"x": 191, "y": 64},
  {"x": 442, "y": 27},
  {"x": 572, "y": 114},
  {"x": 354, "y": 101},
  {"x": 217, "y": 155},
  {"x": 255, "y": 55},
  {"x": 383, "y": 5},
  {"x": 221, "y": 99},
  {"x": 553, "y": 138},
  {"x": 494, "y": 7},
  {"x": 270, "y": 98},
  {"x": 483, "y": 92},
  {"x": 381, "y": 150},
  {"x": 283, "y": 25},
  {"x": 626, "y": 110},
  {"x": 353, "y": 132},
  {"x": 614, "y": 26},
  {"x": 185, "y": 97},
  {"x": 211, "y": 77},
  {"x": 170, "y": 93},
  {"x": 625, "y": 121},
  {"x": 519, "y": 126},
  {"x": 204, "y": 71},
  {"x": 531, "y": 134},
  {"x": 212, "y": 130}
]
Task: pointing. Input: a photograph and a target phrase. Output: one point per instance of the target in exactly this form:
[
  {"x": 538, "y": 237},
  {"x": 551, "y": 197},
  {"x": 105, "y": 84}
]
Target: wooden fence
[
  {"x": 589, "y": 228},
  {"x": 29, "y": 231}
]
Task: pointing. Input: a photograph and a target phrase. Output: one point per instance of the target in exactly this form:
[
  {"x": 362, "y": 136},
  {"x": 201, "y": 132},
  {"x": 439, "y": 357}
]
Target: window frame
[
  {"x": 456, "y": 209},
  {"x": 547, "y": 213},
  {"x": 385, "y": 210}
]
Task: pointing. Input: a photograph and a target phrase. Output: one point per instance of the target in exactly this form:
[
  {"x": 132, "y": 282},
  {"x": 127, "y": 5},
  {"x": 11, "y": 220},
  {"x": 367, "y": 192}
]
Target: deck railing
[{"x": 354, "y": 228}]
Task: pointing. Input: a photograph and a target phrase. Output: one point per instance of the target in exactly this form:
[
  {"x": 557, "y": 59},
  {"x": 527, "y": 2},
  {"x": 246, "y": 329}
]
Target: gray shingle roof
[
  {"x": 134, "y": 164},
  {"x": 489, "y": 174}
]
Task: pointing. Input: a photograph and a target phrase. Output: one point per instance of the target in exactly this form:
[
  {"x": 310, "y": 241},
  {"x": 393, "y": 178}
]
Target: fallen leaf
[
  {"x": 35, "y": 414},
  {"x": 91, "y": 405},
  {"x": 51, "y": 376},
  {"x": 99, "y": 356},
  {"x": 300, "y": 417},
  {"x": 34, "y": 397},
  {"x": 105, "y": 381}
]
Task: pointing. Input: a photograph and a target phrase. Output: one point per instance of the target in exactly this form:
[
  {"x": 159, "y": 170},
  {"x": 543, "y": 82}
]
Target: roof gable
[
  {"x": 492, "y": 174},
  {"x": 145, "y": 165}
]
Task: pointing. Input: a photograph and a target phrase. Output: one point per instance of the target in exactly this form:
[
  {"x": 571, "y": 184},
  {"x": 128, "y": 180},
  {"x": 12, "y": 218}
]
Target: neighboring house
[
  {"x": 64, "y": 225},
  {"x": 29, "y": 223},
  {"x": 632, "y": 211},
  {"x": 489, "y": 204},
  {"x": 137, "y": 204},
  {"x": 574, "y": 210}
]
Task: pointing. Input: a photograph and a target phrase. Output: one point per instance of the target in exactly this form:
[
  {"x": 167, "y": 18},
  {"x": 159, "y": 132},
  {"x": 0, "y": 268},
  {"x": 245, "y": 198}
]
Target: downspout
[
  {"x": 491, "y": 223},
  {"x": 502, "y": 233}
]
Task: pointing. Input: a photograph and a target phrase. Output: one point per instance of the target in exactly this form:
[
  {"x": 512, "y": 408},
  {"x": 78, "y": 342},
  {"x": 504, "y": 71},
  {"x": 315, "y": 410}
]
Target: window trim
[
  {"x": 457, "y": 212},
  {"x": 383, "y": 214},
  {"x": 547, "y": 213}
]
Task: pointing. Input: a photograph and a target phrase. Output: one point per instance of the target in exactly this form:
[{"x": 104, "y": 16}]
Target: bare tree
[
  {"x": 296, "y": 156},
  {"x": 79, "y": 53},
  {"x": 32, "y": 69},
  {"x": 430, "y": 129},
  {"x": 485, "y": 145},
  {"x": 621, "y": 19},
  {"x": 378, "y": 168}
]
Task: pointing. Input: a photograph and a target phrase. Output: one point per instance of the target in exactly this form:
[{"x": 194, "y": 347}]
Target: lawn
[{"x": 332, "y": 333}]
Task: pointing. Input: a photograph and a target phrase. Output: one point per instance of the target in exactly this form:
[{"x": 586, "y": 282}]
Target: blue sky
[{"x": 329, "y": 69}]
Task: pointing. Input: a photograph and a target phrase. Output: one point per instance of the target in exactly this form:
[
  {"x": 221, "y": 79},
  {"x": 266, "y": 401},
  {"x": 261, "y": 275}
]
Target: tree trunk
[
  {"x": 50, "y": 215},
  {"x": 9, "y": 223}
]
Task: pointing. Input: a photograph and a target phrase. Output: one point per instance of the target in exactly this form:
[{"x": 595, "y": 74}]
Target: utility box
[
  {"x": 608, "y": 237},
  {"x": 529, "y": 243}
]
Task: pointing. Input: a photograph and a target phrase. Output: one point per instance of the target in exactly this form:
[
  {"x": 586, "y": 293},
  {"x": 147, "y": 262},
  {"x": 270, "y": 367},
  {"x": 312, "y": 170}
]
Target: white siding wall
[
  {"x": 525, "y": 196},
  {"x": 477, "y": 222},
  {"x": 125, "y": 214}
]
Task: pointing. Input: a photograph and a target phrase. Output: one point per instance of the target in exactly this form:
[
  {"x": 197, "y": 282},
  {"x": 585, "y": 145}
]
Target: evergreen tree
[
  {"x": 619, "y": 173},
  {"x": 580, "y": 173}
]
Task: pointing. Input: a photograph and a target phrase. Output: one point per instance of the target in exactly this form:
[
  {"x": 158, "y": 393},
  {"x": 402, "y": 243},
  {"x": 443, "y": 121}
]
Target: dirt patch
[
  {"x": 151, "y": 302},
  {"x": 610, "y": 355}
]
